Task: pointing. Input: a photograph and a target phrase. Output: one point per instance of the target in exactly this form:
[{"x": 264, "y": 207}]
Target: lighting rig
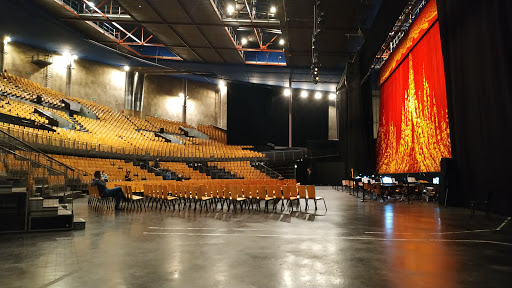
[{"x": 318, "y": 27}]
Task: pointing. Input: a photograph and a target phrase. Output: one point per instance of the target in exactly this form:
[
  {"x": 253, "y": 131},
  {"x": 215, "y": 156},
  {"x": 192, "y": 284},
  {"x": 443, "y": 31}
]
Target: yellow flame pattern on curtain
[{"x": 423, "y": 138}]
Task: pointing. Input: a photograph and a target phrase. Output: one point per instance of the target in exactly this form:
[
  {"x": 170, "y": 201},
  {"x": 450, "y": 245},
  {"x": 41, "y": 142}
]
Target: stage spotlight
[
  {"x": 318, "y": 95},
  {"x": 332, "y": 96},
  {"x": 287, "y": 92},
  {"x": 126, "y": 68},
  {"x": 231, "y": 9},
  {"x": 244, "y": 41},
  {"x": 273, "y": 10},
  {"x": 281, "y": 42},
  {"x": 304, "y": 94}
]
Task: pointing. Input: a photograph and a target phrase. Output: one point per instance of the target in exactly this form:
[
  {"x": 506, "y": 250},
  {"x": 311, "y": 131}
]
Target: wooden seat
[{"x": 312, "y": 195}]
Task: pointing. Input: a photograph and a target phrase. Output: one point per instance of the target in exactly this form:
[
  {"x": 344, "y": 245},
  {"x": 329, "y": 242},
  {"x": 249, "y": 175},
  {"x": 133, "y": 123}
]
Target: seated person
[
  {"x": 116, "y": 192},
  {"x": 180, "y": 177},
  {"x": 127, "y": 176},
  {"x": 156, "y": 165},
  {"x": 104, "y": 176},
  {"x": 168, "y": 175}
]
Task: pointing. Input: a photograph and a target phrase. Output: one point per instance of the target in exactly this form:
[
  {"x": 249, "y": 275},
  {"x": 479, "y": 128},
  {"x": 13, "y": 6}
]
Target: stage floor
[{"x": 352, "y": 244}]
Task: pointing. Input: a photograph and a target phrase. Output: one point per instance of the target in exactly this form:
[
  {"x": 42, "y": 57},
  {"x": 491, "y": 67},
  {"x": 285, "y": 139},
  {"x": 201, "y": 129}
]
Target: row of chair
[{"x": 177, "y": 195}]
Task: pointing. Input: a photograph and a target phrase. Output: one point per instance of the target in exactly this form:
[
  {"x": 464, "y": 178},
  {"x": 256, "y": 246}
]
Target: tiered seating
[
  {"x": 114, "y": 168},
  {"x": 213, "y": 132},
  {"x": 28, "y": 90},
  {"x": 19, "y": 109},
  {"x": 183, "y": 169},
  {"x": 241, "y": 169},
  {"x": 168, "y": 125},
  {"x": 142, "y": 124},
  {"x": 112, "y": 132}
]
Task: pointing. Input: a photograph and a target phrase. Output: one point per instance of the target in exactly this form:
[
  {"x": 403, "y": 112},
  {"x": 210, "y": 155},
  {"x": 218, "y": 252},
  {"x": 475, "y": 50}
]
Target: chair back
[
  {"x": 93, "y": 191},
  {"x": 302, "y": 191},
  {"x": 311, "y": 191}
]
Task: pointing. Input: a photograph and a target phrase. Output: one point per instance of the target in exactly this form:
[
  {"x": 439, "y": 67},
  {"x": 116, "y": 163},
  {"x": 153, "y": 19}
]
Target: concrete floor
[{"x": 353, "y": 244}]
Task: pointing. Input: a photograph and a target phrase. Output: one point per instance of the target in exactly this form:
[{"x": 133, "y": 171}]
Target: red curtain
[{"x": 413, "y": 128}]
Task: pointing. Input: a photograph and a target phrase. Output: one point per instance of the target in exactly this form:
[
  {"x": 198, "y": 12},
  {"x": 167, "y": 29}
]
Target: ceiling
[{"x": 201, "y": 38}]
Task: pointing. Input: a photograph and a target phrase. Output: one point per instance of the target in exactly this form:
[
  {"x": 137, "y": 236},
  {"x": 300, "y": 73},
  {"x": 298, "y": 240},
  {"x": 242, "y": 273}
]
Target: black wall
[
  {"x": 258, "y": 114},
  {"x": 475, "y": 38},
  {"x": 248, "y": 109}
]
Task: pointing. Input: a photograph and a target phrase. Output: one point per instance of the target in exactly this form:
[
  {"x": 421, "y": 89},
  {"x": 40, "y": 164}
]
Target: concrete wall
[
  {"x": 88, "y": 79},
  {"x": 161, "y": 96},
  {"x": 96, "y": 80},
  {"x": 17, "y": 62}
]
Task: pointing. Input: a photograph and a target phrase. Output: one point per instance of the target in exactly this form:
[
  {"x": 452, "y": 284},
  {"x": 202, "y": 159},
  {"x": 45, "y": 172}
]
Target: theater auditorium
[{"x": 255, "y": 143}]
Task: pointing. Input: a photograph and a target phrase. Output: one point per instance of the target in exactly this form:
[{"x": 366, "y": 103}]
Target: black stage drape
[{"x": 475, "y": 38}]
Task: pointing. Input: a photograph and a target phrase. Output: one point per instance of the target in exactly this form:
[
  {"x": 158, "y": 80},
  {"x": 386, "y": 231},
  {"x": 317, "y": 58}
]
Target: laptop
[{"x": 387, "y": 180}]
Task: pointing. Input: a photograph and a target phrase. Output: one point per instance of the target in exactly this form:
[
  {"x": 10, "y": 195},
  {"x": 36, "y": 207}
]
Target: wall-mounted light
[
  {"x": 126, "y": 68},
  {"x": 287, "y": 92},
  {"x": 244, "y": 41},
  {"x": 281, "y": 42},
  {"x": 273, "y": 10},
  {"x": 318, "y": 95},
  {"x": 7, "y": 39},
  {"x": 182, "y": 95},
  {"x": 222, "y": 83},
  {"x": 332, "y": 96},
  {"x": 304, "y": 94}
]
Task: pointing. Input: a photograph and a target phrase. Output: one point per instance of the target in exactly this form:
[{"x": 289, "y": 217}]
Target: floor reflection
[{"x": 415, "y": 255}]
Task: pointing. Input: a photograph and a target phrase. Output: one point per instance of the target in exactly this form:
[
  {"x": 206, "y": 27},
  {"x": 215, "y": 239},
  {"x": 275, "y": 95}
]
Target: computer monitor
[
  {"x": 387, "y": 180},
  {"x": 435, "y": 180},
  {"x": 411, "y": 179}
]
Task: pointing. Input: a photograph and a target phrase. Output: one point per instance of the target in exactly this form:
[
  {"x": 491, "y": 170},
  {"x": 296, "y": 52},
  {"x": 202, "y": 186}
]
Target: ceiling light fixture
[
  {"x": 287, "y": 92},
  {"x": 273, "y": 10},
  {"x": 126, "y": 68},
  {"x": 332, "y": 96},
  {"x": 304, "y": 94},
  {"x": 281, "y": 42},
  {"x": 7, "y": 39},
  {"x": 231, "y": 9},
  {"x": 244, "y": 41},
  {"x": 318, "y": 95}
]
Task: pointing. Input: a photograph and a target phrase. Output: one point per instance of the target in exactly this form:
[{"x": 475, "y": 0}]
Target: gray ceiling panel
[
  {"x": 209, "y": 55},
  {"x": 193, "y": 36},
  {"x": 170, "y": 10}
]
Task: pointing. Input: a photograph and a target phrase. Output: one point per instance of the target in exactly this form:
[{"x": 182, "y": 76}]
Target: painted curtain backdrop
[{"x": 413, "y": 128}]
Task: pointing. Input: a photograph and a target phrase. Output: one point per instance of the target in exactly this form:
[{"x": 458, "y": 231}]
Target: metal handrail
[
  {"x": 35, "y": 149},
  {"x": 32, "y": 161}
]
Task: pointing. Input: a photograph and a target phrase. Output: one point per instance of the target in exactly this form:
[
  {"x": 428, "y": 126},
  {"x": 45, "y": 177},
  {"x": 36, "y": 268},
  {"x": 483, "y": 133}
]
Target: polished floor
[{"x": 353, "y": 244}]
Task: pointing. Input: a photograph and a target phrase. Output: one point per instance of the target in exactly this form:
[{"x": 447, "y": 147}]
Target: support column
[
  {"x": 185, "y": 95},
  {"x": 138, "y": 91},
  {"x": 68, "y": 79},
  {"x": 2, "y": 51},
  {"x": 290, "y": 102},
  {"x": 128, "y": 90}
]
